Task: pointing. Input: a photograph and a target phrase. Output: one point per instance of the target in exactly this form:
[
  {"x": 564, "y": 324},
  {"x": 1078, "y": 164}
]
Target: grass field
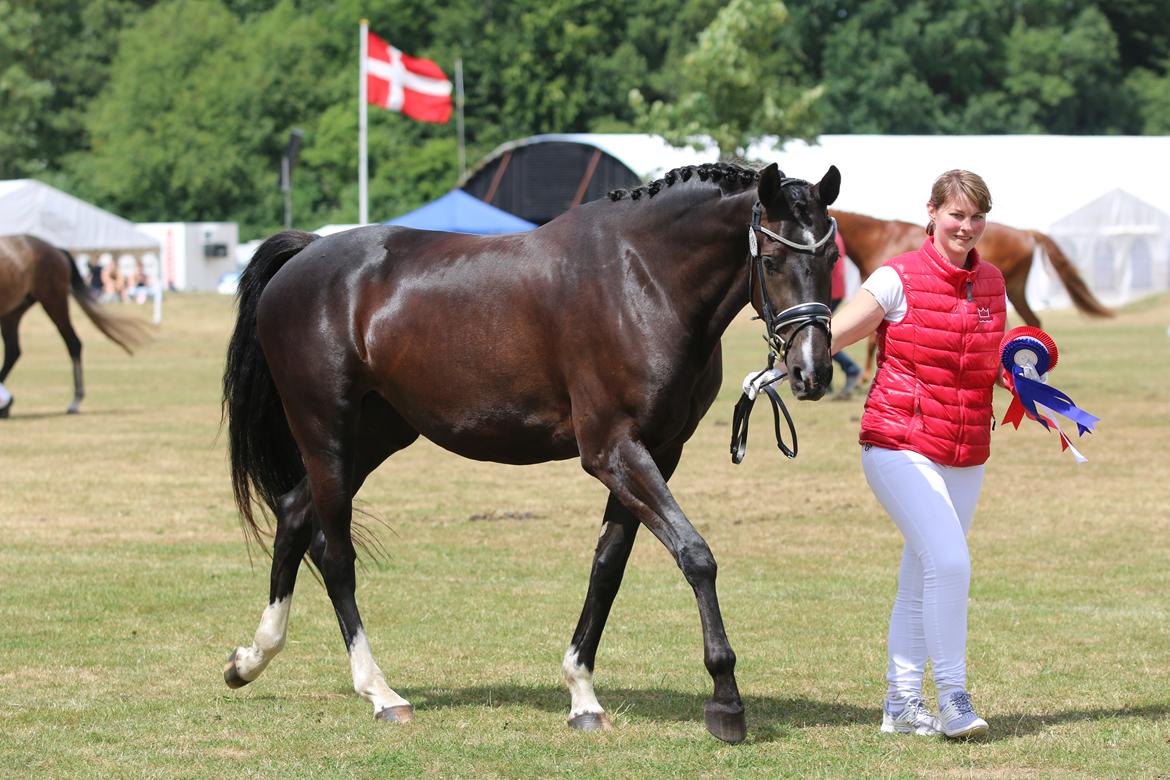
[{"x": 124, "y": 583}]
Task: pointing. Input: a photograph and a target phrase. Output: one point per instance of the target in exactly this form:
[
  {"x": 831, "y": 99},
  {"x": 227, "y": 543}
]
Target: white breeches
[{"x": 932, "y": 506}]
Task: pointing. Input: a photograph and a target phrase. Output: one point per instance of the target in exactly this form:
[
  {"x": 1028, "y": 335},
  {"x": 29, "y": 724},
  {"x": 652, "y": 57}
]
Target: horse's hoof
[
  {"x": 231, "y": 675},
  {"x": 73, "y": 410},
  {"x": 725, "y": 721},
  {"x": 590, "y": 721},
  {"x": 4, "y": 410},
  {"x": 399, "y": 713}
]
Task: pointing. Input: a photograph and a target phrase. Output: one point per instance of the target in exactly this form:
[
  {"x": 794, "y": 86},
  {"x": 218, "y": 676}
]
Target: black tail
[{"x": 265, "y": 461}]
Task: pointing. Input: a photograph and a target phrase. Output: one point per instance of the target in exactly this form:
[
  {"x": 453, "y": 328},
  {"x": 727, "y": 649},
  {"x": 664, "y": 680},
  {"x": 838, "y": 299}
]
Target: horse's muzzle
[
  {"x": 810, "y": 382},
  {"x": 810, "y": 366}
]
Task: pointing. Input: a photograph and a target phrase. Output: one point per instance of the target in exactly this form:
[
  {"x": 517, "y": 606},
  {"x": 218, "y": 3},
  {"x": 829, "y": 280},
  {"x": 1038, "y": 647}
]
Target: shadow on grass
[
  {"x": 768, "y": 717},
  {"x": 19, "y": 417},
  {"x": 1025, "y": 724}
]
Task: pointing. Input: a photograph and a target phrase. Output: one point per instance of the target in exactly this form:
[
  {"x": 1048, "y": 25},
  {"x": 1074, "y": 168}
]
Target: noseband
[{"x": 799, "y": 316}]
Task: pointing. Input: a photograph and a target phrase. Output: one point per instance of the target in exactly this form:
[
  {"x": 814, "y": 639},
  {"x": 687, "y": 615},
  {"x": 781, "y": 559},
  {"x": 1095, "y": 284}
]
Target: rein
[{"x": 798, "y": 317}]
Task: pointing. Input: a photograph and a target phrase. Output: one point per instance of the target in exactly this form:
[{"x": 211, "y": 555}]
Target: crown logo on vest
[{"x": 984, "y": 313}]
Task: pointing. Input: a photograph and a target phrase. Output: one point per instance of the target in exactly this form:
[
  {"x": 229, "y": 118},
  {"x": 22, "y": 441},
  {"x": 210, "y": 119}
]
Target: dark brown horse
[
  {"x": 33, "y": 271},
  {"x": 869, "y": 242},
  {"x": 595, "y": 336}
]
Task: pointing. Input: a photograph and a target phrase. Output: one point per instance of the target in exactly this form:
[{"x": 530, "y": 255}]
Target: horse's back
[
  {"x": 456, "y": 331},
  {"x": 27, "y": 263}
]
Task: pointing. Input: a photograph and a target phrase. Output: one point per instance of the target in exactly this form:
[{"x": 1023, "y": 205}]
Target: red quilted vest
[{"x": 936, "y": 369}]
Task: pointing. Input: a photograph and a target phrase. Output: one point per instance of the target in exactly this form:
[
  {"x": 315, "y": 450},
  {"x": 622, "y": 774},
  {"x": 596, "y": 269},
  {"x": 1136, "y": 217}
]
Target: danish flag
[{"x": 413, "y": 86}]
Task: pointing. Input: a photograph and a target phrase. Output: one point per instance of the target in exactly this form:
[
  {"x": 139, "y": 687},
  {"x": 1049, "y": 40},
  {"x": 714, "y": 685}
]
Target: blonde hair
[{"x": 956, "y": 184}]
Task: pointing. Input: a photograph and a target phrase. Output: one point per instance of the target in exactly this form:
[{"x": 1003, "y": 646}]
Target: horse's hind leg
[
  {"x": 618, "y": 530},
  {"x": 294, "y": 529},
  {"x": 340, "y": 448},
  {"x": 1016, "y": 287},
  {"x": 58, "y": 310},
  {"x": 383, "y": 432},
  {"x": 10, "y": 330}
]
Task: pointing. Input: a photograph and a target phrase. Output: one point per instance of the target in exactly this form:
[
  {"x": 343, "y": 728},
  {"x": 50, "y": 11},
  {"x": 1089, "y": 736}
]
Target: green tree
[
  {"x": 914, "y": 66},
  {"x": 25, "y": 97},
  {"x": 735, "y": 85},
  {"x": 1063, "y": 77},
  {"x": 1151, "y": 91}
]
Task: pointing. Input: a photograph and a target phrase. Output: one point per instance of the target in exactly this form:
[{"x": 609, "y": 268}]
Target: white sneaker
[
  {"x": 909, "y": 717},
  {"x": 959, "y": 720}
]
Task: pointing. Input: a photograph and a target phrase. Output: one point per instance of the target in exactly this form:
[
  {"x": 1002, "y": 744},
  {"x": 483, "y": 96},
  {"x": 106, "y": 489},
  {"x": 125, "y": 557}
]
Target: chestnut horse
[
  {"x": 32, "y": 271},
  {"x": 595, "y": 336},
  {"x": 869, "y": 242}
]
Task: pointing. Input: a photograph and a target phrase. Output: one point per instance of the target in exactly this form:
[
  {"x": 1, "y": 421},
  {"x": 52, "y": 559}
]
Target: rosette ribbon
[{"x": 1028, "y": 354}]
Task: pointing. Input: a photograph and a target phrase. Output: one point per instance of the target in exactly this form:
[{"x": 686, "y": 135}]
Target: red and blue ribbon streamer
[{"x": 1031, "y": 351}]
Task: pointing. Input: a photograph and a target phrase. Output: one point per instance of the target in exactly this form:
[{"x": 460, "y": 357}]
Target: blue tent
[{"x": 462, "y": 213}]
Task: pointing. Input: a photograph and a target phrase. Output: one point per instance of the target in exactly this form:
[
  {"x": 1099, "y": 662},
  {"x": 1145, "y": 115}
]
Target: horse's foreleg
[
  {"x": 628, "y": 470},
  {"x": 10, "y": 331},
  {"x": 618, "y": 530},
  {"x": 609, "y": 564},
  {"x": 294, "y": 528}
]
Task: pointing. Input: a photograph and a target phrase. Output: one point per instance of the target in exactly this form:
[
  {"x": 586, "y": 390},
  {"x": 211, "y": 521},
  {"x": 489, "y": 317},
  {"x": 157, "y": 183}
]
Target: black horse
[{"x": 595, "y": 336}]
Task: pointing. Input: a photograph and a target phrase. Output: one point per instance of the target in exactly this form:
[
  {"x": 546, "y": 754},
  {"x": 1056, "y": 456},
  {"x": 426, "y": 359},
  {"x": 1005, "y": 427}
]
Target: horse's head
[{"x": 793, "y": 255}]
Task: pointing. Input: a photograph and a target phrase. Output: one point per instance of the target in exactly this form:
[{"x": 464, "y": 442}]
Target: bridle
[{"x": 799, "y": 316}]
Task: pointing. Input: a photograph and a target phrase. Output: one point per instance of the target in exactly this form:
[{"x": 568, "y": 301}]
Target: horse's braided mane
[{"x": 735, "y": 177}]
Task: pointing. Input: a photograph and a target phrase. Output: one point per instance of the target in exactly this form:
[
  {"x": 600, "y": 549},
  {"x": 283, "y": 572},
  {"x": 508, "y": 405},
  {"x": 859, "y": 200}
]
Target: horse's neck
[{"x": 711, "y": 286}]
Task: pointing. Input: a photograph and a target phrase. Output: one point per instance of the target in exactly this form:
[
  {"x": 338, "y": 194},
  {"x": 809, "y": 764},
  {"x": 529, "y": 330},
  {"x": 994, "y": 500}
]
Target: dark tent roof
[
  {"x": 541, "y": 177},
  {"x": 462, "y": 213}
]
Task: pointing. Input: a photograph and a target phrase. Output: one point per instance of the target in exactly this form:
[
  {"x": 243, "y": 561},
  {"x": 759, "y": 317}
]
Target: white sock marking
[
  {"x": 580, "y": 682},
  {"x": 269, "y": 640},
  {"x": 367, "y": 677}
]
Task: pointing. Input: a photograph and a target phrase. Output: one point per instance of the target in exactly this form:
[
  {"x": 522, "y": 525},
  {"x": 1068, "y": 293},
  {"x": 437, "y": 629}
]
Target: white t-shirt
[{"x": 885, "y": 286}]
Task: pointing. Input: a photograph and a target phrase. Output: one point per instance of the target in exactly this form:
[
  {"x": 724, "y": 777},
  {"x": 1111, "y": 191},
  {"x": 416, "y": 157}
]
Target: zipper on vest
[{"x": 970, "y": 295}]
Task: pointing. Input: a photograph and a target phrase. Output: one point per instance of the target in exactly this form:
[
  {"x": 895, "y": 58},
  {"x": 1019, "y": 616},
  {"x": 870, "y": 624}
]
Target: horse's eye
[{"x": 771, "y": 262}]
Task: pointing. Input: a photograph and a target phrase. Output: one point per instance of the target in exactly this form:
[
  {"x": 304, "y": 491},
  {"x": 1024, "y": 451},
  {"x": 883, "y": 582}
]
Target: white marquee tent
[
  {"x": 29, "y": 206},
  {"x": 1126, "y": 242}
]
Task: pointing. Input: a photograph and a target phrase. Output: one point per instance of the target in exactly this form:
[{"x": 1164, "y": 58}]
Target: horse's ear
[
  {"x": 769, "y": 186},
  {"x": 829, "y": 187}
]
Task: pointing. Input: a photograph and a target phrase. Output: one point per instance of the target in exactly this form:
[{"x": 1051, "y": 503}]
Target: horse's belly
[
  {"x": 476, "y": 422},
  {"x": 494, "y": 437}
]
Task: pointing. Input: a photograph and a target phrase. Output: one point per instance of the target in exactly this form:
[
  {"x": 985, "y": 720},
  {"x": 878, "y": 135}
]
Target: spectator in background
[
  {"x": 113, "y": 283},
  {"x": 836, "y": 295},
  {"x": 94, "y": 267}
]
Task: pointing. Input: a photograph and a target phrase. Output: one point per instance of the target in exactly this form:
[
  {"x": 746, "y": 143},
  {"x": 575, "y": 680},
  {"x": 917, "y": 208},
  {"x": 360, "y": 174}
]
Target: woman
[{"x": 939, "y": 314}]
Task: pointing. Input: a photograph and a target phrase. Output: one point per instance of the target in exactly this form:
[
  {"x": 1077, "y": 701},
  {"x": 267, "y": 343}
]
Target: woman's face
[{"x": 958, "y": 225}]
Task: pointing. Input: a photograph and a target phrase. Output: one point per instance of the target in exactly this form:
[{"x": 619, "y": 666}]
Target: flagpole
[
  {"x": 363, "y": 158},
  {"x": 459, "y": 115}
]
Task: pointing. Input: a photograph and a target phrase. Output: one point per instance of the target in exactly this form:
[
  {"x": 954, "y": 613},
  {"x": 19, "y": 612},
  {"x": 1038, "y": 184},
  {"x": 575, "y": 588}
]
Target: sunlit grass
[{"x": 124, "y": 583}]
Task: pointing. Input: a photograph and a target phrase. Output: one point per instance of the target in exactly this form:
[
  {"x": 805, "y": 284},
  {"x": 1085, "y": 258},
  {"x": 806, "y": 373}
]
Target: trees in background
[{"x": 179, "y": 110}]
